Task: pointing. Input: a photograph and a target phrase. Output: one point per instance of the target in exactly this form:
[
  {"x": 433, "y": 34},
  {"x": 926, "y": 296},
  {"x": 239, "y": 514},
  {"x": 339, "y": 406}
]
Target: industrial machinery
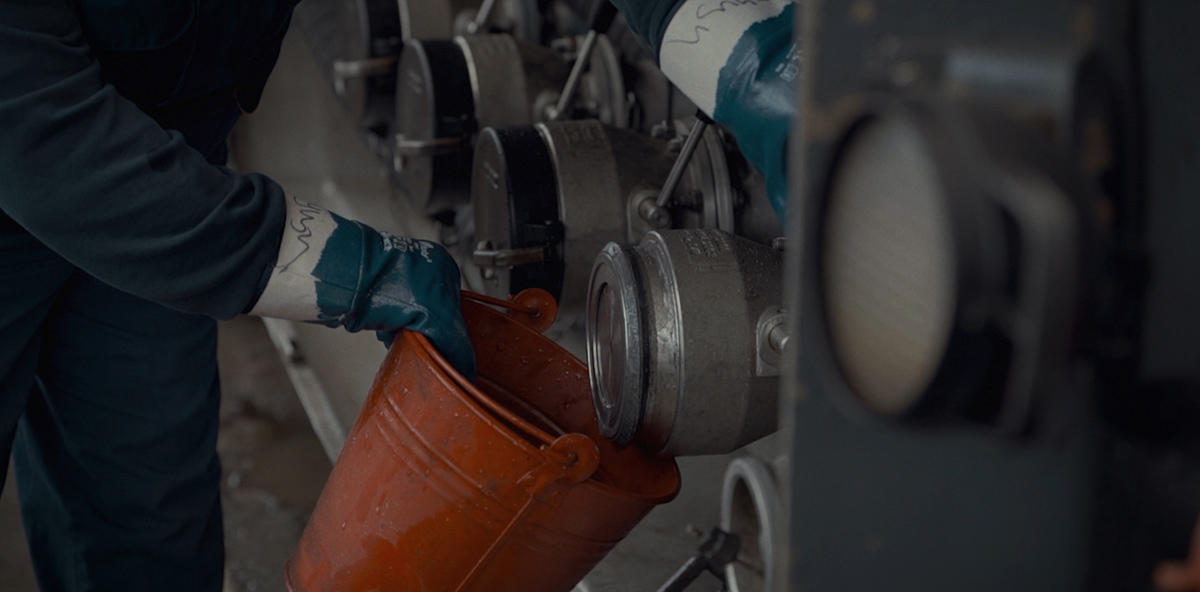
[
  {"x": 451, "y": 90},
  {"x": 988, "y": 391},
  {"x": 548, "y": 198},
  {"x": 965, "y": 359}
]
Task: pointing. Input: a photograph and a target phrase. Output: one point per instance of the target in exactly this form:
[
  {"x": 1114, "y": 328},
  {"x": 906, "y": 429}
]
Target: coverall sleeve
[{"x": 95, "y": 179}]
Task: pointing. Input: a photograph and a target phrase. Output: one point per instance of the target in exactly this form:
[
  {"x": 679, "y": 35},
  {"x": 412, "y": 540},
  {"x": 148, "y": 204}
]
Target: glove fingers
[
  {"x": 386, "y": 337},
  {"x": 448, "y": 335}
]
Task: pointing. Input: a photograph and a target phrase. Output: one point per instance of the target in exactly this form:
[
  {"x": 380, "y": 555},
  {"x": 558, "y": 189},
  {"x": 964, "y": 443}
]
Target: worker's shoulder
[
  {"x": 53, "y": 17},
  {"x": 113, "y": 25},
  {"x": 134, "y": 25}
]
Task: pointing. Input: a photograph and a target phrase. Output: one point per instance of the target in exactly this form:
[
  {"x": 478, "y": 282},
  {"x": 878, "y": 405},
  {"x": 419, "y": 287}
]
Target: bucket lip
[
  {"x": 651, "y": 499},
  {"x": 483, "y": 403},
  {"x": 480, "y": 403}
]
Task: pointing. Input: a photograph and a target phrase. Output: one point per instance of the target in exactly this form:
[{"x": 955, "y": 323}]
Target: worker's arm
[
  {"x": 96, "y": 180},
  {"x": 92, "y": 177},
  {"x": 738, "y": 62}
]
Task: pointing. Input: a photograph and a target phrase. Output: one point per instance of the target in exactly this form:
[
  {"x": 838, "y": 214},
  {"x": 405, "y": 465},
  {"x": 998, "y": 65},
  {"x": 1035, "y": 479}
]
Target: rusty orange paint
[{"x": 445, "y": 487}]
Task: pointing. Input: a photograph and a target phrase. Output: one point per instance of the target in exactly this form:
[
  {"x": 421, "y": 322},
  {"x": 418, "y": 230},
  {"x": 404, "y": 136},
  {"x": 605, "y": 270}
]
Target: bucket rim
[
  {"x": 475, "y": 399},
  {"x": 477, "y": 396},
  {"x": 482, "y": 403}
]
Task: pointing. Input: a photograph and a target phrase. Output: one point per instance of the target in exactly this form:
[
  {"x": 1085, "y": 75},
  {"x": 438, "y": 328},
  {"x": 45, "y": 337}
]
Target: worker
[
  {"x": 122, "y": 239},
  {"x": 738, "y": 62}
]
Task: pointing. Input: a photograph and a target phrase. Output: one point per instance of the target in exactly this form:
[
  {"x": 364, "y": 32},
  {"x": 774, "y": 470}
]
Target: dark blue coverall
[{"x": 119, "y": 245}]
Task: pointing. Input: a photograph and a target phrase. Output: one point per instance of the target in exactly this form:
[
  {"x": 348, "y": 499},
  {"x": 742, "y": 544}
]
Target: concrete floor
[
  {"x": 273, "y": 464},
  {"x": 273, "y": 468},
  {"x": 15, "y": 571}
]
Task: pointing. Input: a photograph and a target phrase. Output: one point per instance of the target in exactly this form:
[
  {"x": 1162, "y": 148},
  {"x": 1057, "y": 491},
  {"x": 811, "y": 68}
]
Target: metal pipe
[
  {"x": 685, "y": 575},
  {"x": 343, "y": 69},
  {"x": 685, "y": 155},
  {"x": 568, "y": 92},
  {"x": 598, "y": 24},
  {"x": 717, "y": 550},
  {"x": 508, "y": 257},
  {"x": 481, "y": 17},
  {"x": 430, "y": 147}
]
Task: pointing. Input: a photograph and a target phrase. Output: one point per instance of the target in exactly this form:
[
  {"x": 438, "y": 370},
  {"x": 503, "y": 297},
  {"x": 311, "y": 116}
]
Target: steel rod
[
  {"x": 481, "y": 17},
  {"x": 568, "y": 92},
  {"x": 685, "y": 155}
]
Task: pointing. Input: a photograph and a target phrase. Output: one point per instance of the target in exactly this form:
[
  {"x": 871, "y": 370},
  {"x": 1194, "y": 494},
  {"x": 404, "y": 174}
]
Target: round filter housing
[
  {"x": 435, "y": 118},
  {"x": 672, "y": 341},
  {"x": 450, "y": 89},
  {"x": 514, "y": 191},
  {"x": 563, "y": 187},
  {"x": 366, "y": 30}
]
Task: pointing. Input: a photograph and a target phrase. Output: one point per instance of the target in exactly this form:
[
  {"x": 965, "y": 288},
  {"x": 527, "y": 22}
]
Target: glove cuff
[
  {"x": 704, "y": 38},
  {"x": 739, "y": 63},
  {"x": 319, "y": 269}
]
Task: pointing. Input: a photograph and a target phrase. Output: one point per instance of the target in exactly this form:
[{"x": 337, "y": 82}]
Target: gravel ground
[{"x": 274, "y": 469}]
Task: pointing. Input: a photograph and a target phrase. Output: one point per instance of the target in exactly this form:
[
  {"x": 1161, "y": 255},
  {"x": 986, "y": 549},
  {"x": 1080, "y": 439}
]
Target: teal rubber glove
[
  {"x": 738, "y": 62},
  {"x": 343, "y": 273}
]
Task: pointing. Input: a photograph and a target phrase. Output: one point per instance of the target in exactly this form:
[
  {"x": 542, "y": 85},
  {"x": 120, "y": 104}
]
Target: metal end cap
[{"x": 615, "y": 352}]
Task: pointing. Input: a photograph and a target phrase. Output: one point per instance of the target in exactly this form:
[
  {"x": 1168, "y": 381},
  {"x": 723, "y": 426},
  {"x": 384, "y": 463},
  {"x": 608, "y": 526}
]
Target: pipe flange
[{"x": 614, "y": 345}]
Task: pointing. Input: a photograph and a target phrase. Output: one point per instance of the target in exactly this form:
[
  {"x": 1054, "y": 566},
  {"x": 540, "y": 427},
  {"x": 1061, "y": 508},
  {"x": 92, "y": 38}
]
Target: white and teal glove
[
  {"x": 737, "y": 61},
  {"x": 343, "y": 273}
]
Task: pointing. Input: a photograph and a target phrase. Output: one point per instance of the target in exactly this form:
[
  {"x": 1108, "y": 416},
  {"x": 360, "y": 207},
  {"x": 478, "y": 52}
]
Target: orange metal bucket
[{"x": 443, "y": 488}]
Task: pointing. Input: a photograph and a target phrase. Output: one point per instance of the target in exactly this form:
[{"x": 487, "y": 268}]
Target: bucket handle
[
  {"x": 533, "y": 307},
  {"x": 571, "y": 458},
  {"x": 473, "y": 391}
]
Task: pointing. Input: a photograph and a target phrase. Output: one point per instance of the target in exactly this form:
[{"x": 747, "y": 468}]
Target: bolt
[
  {"x": 662, "y": 131},
  {"x": 778, "y": 337},
  {"x": 645, "y": 203},
  {"x": 654, "y": 215}
]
